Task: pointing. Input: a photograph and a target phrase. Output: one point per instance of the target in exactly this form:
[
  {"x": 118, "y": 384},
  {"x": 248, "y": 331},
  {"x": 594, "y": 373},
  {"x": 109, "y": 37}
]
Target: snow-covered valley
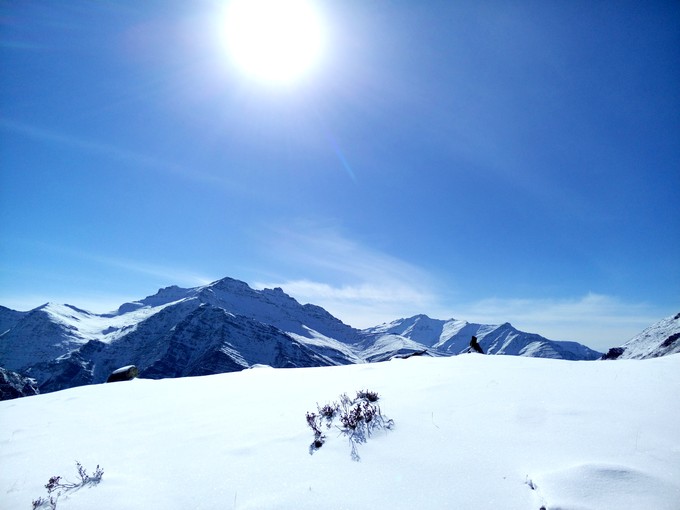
[{"x": 471, "y": 432}]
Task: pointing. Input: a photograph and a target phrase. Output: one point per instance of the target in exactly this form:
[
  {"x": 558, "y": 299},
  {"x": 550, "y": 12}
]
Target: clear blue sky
[{"x": 489, "y": 161}]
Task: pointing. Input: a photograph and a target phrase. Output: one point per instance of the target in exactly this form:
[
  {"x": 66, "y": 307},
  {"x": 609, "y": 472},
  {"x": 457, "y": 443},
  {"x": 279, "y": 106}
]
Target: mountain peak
[
  {"x": 227, "y": 282},
  {"x": 162, "y": 297},
  {"x": 279, "y": 295}
]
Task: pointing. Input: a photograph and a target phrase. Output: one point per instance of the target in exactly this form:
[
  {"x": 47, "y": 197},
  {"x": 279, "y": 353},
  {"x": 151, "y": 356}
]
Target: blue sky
[{"x": 487, "y": 161}]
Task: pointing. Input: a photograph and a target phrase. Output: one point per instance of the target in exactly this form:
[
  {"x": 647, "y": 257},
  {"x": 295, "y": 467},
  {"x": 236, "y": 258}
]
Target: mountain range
[{"x": 227, "y": 326}]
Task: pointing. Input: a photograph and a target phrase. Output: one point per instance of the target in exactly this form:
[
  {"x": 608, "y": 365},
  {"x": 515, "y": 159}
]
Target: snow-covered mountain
[
  {"x": 221, "y": 327},
  {"x": 450, "y": 337},
  {"x": 660, "y": 339},
  {"x": 227, "y": 326},
  {"x": 269, "y": 306}
]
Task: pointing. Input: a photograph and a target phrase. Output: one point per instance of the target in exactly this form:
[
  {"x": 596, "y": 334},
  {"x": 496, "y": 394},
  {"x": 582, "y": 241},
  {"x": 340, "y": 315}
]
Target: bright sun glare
[{"x": 273, "y": 40}]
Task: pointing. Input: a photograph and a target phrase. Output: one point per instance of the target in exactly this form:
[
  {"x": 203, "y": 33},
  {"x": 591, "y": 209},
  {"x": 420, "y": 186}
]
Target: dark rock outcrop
[
  {"x": 13, "y": 385},
  {"x": 613, "y": 353}
]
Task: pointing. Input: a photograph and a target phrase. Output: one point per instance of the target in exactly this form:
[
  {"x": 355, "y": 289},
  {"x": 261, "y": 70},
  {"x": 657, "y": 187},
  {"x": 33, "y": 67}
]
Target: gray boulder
[{"x": 123, "y": 374}]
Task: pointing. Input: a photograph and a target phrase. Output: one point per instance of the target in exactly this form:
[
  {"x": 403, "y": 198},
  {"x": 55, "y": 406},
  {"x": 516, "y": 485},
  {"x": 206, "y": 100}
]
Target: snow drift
[{"x": 470, "y": 431}]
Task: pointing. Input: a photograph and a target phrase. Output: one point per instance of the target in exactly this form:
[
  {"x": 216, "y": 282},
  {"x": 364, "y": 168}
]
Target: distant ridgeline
[
  {"x": 226, "y": 326},
  {"x": 660, "y": 339}
]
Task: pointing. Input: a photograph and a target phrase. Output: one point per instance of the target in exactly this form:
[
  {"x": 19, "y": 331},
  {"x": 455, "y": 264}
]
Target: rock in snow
[{"x": 123, "y": 374}]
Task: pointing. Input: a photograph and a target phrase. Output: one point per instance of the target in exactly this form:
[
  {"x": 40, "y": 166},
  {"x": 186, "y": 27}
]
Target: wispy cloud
[
  {"x": 94, "y": 272},
  {"x": 169, "y": 274},
  {"x": 358, "y": 284},
  {"x": 596, "y": 320},
  {"x": 365, "y": 287},
  {"x": 133, "y": 158}
]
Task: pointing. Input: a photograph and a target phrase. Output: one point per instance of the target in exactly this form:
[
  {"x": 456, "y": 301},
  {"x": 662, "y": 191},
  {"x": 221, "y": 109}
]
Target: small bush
[
  {"x": 328, "y": 411},
  {"x": 358, "y": 417},
  {"x": 56, "y": 486},
  {"x": 371, "y": 396}
]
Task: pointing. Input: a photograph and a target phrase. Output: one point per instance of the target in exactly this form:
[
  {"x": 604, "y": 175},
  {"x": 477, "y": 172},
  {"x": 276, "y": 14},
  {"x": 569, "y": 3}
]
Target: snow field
[{"x": 470, "y": 431}]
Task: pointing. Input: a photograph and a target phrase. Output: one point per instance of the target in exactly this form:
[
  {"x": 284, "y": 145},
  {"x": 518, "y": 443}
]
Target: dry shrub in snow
[
  {"x": 56, "y": 486},
  {"x": 358, "y": 418}
]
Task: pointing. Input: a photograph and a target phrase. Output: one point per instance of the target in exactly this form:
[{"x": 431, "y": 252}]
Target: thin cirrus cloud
[
  {"x": 173, "y": 275},
  {"x": 361, "y": 305},
  {"x": 97, "y": 298},
  {"x": 359, "y": 285},
  {"x": 109, "y": 151},
  {"x": 365, "y": 287},
  {"x": 596, "y": 320},
  {"x": 95, "y": 292}
]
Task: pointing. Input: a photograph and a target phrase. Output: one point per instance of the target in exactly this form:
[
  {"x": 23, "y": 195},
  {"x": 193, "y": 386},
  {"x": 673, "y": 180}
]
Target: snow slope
[
  {"x": 52, "y": 330},
  {"x": 471, "y": 432},
  {"x": 660, "y": 339}
]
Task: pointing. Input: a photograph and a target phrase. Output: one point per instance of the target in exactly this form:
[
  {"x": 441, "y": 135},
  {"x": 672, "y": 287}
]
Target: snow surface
[
  {"x": 471, "y": 432},
  {"x": 104, "y": 328},
  {"x": 122, "y": 369}
]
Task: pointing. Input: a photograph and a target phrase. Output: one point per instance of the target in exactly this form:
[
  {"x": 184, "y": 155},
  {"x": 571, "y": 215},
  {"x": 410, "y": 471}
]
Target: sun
[{"x": 274, "y": 41}]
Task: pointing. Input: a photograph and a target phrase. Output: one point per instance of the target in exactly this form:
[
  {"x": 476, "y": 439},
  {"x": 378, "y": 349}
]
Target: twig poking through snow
[{"x": 56, "y": 485}]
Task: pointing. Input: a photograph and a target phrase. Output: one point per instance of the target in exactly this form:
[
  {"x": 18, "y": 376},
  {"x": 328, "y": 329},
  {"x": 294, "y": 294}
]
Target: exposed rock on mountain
[{"x": 13, "y": 385}]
